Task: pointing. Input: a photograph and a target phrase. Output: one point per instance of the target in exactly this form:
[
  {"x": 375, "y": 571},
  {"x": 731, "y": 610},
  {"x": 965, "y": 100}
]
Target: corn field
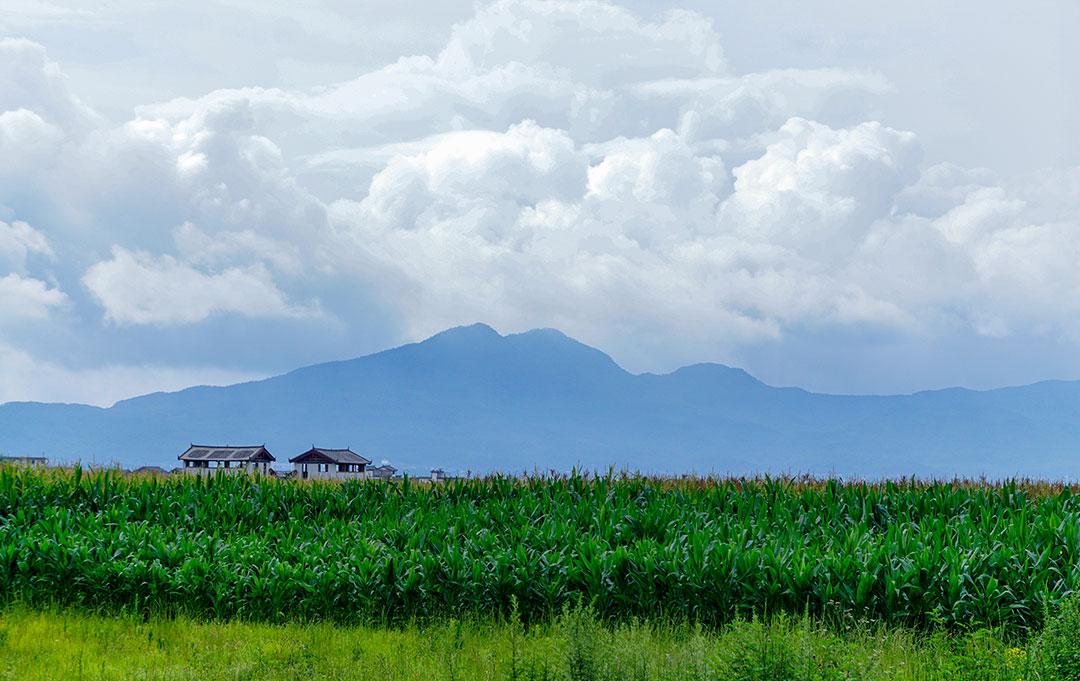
[{"x": 708, "y": 551}]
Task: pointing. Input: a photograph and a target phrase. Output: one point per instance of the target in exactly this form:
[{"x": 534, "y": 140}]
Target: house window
[{"x": 324, "y": 467}]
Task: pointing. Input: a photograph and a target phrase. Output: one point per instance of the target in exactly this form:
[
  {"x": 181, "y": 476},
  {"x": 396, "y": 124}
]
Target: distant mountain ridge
[{"x": 471, "y": 399}]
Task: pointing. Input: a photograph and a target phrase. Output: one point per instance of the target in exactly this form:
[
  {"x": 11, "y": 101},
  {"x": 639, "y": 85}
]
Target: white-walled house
[
  {"x": 319, "y": 463},
  {"x": 207, "y": 459},
  {"x": 383, "y": 472},
  {"x": 27, "y": 461}
]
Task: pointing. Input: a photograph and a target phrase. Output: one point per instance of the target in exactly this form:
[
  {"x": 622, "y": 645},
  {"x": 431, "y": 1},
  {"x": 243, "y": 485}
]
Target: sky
[{"x": 846, "y": 196}]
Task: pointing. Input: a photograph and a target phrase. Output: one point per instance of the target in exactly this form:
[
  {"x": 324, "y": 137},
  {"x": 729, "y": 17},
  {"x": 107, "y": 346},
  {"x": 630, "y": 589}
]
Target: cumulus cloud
[
  {"x": 817, "y": 190},
  {"x": 1029, "y": 278},
  {"x": 34, "y": 83},
  {"x": 650, "y": 231},
  {"x": 27, "y": 378},
  {"x": 26, "y": 141},
  {"x": 553, "y": 33},
  {"x": 136, "y": 288},
  {"x": 19, "y": 241},
  {"x": 564, "y": 164},
  {"x": 591, "y": 69},
  {"x": 24, "y": 298},
  {"x": 199, "y": 248}
]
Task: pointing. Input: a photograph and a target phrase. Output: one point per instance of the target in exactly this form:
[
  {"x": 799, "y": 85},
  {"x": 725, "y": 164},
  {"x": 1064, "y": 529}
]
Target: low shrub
[{"x": 1057, "y": 650}]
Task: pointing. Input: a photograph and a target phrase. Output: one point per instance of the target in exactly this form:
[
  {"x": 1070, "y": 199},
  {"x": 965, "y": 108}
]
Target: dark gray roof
[
  {"x": 386, "y": 467},
  {"x": 324, "y": 455},
  {"x": 217, "y": 453},
  {"x": 23, "y": 458},
  {"x": 151, "y": 469}
]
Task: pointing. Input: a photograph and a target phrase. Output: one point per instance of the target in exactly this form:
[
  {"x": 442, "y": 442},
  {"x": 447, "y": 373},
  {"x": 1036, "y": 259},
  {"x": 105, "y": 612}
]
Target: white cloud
[
  {"x": 477, "y": 173},
  {"x": 26, "y": 141},
  {"x": 554, "y": 33},
  {"x": 817, "y": 190},
  {"x": 983, "y": 211},
  {"x": 30, "y": 82},
  {"x": 661, "y": 169},
  {"x": 812, "y": 233},
  {"x": 199, "y": 248},
  {"x": 18, "y": 241},
  {"x": 564, "y": 164},
  {"x": 226, "y": 174},
  {"x": 1029, "y": 279},
  {"x": 27, "y": 378},
  {"x": 732, "y": 107},
  {"x": 650, "y": 231},
  {"x": 136, "y": 288},
  {"x": 23, "y": 298},
  {"x": 592, "y": 69}
]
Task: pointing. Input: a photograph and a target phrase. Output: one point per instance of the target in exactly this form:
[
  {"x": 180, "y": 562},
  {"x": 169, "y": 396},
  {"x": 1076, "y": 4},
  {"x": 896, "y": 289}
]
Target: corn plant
[{"x": 950, "y": 554}]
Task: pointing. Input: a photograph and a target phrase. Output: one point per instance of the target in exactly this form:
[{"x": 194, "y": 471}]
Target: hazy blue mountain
[{"x": 471, "y": 399}]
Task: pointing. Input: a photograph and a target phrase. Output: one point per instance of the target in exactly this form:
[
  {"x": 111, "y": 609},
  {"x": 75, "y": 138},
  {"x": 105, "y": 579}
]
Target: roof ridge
[
  {"x": 227, "y": 446},
  {"x": 345, "y": 455}
]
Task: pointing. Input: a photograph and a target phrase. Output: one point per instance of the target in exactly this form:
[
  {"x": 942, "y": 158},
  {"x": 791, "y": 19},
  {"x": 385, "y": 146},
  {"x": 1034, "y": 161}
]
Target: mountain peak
[
  {"x": 472, "y": 398},
  {"x": 715, "y": 370},
  {"x": 539, "y": 352},
  {"x": 544, "y": 332},
  {"x": 477, "y": 331}
]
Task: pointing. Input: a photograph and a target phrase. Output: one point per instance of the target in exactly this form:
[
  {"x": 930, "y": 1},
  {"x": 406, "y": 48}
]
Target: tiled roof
[
  {"x": 324, "y": 455},
  {"x": 218, "y": 453},
  {"x": 151, "y": 469}
]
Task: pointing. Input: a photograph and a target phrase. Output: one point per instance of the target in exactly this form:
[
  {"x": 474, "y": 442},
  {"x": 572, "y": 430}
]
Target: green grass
[
  {"x": 108, "y": 577},
  {"x": 929, "y": 556},
  {"x": 573, "y": 647}
]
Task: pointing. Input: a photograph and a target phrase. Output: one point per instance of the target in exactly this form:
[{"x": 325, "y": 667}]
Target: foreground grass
[{"x": 68, "y": 645}]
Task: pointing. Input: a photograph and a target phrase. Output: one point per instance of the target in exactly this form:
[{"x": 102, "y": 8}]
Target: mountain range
[{"x": 470, "y": 399}]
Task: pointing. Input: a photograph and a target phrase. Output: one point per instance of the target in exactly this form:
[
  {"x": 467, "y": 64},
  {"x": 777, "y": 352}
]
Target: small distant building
[
  {"x": 150, "y": 470},
  {"x": 383, "y": 472},
  {"x": 439, "y": 475},
  {"x": 318, "y": 463},
  {"x": 28, "y": 461},
  {"x": 206, "y": 459}
]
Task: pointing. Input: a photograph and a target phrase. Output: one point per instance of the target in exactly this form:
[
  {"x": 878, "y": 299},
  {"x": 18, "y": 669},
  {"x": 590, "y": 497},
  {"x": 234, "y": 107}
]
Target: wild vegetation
[
  {"x": 47, "y": 645},
  {"x": 919, "y": 555}
]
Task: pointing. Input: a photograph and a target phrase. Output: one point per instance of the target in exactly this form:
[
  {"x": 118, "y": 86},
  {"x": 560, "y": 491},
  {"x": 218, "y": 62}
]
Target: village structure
[
  {"x": 209, "y": 459},
  {"x": 37, "y": 461},
  {"x": 321, "y": 464},
  {"x": 317, "y": 463}
]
